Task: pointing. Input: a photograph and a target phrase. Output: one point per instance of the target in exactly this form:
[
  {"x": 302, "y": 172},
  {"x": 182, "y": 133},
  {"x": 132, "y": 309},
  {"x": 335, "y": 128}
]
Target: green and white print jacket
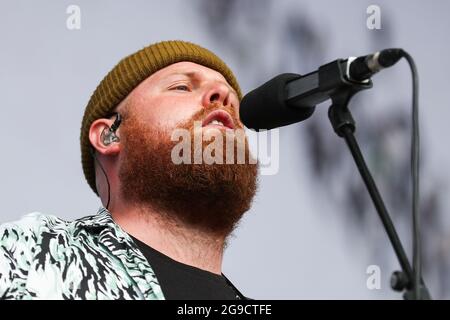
[{"x": 44, "y": 257}]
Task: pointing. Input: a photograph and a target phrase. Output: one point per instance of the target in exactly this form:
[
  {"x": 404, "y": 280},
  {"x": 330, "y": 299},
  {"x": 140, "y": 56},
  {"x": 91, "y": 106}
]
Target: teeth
[{"x": 217, "y": 122}]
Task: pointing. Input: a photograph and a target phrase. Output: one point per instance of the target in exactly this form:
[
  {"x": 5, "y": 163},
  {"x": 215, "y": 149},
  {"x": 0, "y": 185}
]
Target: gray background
[{"x": 297, "y": 242}]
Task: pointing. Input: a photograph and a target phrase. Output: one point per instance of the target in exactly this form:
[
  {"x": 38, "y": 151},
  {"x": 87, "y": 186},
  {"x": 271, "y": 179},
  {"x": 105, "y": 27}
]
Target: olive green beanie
[{"x": 129, "y": 73}]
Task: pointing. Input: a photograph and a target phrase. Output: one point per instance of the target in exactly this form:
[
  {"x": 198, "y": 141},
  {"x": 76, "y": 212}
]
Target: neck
[{"x": 185, "y": 244}]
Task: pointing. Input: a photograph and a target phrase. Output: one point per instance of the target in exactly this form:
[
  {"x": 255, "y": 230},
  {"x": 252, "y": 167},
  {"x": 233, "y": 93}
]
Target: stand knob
[{"x": 399, "y": 281}]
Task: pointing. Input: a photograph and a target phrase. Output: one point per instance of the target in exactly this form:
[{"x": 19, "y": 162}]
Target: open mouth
[{"x": 219, "y": 119}]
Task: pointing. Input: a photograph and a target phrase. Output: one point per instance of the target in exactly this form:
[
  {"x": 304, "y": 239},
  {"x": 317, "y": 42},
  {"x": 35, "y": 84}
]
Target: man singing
[{"x": 167, "y": 210}]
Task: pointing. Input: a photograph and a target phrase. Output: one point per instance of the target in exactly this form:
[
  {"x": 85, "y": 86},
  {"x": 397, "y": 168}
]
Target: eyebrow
[{"x": 189, "y": 74}]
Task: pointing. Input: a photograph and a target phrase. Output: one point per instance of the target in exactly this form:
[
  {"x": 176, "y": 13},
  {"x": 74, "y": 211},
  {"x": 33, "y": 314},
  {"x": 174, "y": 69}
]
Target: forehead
[{"x": 187, "y": 68}]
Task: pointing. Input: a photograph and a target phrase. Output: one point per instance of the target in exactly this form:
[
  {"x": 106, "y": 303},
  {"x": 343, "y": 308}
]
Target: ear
[{"x": 95, "y": 137}]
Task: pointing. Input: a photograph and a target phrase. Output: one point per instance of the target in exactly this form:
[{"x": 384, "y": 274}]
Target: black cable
[
  {"x": 106, "y": 176},
  {"x": 415, "y": 157},
  {"x": 112, "y": 129}
]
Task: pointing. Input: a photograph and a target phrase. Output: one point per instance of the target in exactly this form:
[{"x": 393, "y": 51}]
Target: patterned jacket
[{"x": 44, "y": 257}]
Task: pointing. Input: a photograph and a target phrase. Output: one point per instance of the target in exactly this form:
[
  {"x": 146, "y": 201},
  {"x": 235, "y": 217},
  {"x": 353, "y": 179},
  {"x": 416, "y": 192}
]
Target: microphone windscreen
[{"x": 266, "y": 106}]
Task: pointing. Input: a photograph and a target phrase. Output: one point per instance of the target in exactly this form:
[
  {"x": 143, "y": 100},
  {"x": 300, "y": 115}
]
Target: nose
[{"x": 217, "y": 92}]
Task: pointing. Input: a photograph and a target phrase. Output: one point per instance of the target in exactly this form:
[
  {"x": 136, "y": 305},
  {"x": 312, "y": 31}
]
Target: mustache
[{"x": 201, "y": 114}]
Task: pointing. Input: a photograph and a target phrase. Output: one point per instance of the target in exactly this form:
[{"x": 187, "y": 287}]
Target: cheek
[{"x": 169, "y": 111}]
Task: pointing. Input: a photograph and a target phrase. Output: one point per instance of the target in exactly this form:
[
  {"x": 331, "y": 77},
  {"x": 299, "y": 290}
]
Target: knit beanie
[{"x": 128, "y": 74}]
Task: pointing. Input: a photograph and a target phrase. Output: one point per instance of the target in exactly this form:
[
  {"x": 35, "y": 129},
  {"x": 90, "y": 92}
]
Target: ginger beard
[{"x": 211, "y": 197}]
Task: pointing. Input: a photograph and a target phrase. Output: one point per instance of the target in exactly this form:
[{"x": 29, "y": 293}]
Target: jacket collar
[{"x": 100, "y": 221}]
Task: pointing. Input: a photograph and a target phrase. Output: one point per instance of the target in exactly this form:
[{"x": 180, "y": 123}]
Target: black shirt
[{"x": 180, "y": 281}]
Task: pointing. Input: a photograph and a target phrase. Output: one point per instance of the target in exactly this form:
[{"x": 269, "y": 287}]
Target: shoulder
[
  {"x": 20, "y": 242},
  {"x": 30, "y": 226},
  {"x": 17, "y": 248},
  {"x": 26, "y": 230},
  {"x": 32, "y": 231},
  {"x": 20, "y": 238}
]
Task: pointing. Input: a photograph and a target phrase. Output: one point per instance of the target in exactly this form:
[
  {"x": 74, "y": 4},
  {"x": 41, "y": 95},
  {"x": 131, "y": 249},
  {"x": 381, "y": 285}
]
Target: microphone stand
[{"x": 332, "y": 75}]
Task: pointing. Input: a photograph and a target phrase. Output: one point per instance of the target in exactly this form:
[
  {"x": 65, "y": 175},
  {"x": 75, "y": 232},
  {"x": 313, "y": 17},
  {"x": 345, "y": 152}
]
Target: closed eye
[{"x": 181, "y": 87}]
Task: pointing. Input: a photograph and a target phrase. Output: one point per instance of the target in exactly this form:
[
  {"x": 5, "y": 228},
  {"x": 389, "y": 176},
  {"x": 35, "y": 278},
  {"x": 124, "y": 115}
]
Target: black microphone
[
  {"x": 289, "y": 98},
  {"x": 266, "y": 107}
]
